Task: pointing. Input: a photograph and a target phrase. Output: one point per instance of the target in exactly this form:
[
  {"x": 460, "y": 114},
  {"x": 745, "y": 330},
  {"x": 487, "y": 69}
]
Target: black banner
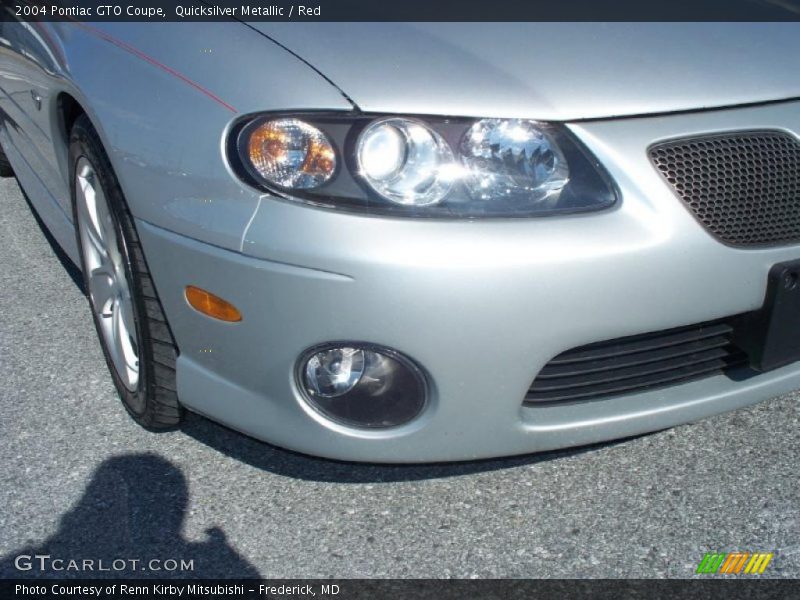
[
  {"x": 406, "y": 10},
  {"x": 729, "y": 589}
]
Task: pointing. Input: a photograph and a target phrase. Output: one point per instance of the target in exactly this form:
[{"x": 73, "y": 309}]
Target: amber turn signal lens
[{"x": 211, "y": 305}]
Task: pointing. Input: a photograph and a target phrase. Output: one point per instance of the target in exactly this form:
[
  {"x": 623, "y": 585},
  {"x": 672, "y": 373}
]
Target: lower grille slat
[
  {"x": 668, "y": 378},
  {"x": 554, "y": 370},
  {"x": 643, "y": 343},
  {"x": 636, "y": 372},
  {"x": 637, "y": 363}
]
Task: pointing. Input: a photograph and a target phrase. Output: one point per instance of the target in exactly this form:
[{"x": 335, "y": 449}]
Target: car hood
[{"x": 549, "y": 71}]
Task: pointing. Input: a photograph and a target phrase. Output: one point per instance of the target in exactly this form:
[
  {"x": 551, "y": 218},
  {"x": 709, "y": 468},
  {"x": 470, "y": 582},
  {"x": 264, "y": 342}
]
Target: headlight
[
  {"x": 405, "y": 161},
  {"x": 513, "y": 158},
  {"x": 290, "y": 153},
  {"x": 421, "y": 167}
]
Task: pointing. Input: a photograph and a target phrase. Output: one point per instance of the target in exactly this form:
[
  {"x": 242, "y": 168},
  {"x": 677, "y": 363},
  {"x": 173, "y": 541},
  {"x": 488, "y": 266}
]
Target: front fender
[{"x": 162, "y": 97}]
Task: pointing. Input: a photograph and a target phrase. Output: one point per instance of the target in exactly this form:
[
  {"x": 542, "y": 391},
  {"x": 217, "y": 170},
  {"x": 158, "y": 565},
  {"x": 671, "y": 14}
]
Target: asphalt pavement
[{"x": 80, "y": 480}]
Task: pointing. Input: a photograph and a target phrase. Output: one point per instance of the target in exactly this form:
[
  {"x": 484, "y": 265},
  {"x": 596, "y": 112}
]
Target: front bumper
[{"x": 481, "y": 306}]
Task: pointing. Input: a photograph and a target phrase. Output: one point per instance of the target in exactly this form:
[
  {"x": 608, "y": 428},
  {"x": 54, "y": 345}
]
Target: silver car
[{"x": 421, "y": 242}]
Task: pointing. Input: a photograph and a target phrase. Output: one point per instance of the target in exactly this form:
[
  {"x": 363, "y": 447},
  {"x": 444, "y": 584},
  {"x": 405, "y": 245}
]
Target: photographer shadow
[{"x": 132, "y": 509}]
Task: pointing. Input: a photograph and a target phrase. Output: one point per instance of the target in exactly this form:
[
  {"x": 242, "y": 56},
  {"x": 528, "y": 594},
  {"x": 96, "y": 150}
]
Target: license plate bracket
[{"x": 771, "y": 335}]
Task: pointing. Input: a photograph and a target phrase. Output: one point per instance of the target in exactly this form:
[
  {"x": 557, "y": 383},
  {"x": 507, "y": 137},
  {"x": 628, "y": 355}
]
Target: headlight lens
[
  {"x": 290, "y": 153},
  {"x": 422, "y": 167},
  {"x": 513, "y": 158},
  {"x": 405, "y": 161}
]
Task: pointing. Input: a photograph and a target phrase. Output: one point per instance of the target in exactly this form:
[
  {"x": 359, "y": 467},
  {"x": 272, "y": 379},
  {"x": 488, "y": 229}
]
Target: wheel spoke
[
  {"x": 106, "y": 226},
  {"x": 116, "y": 345},
  {"x": 123, "y": 350},
  {"x": 127, "y": 321},
  {"x": 88, "y": 193},
  {"x": 103, "y": 288},
  {"x": 92, "y": 238}
]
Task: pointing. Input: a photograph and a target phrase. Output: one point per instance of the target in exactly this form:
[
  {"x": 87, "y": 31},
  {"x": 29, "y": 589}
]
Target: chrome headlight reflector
[
  {"x": 405, "y": 161},
  {"x": 513, "y": 158},
  {"x": 422, "y": 167}
]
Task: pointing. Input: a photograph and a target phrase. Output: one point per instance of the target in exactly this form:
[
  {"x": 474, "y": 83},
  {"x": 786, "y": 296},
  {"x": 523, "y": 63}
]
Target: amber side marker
[{"x": 211, "y": 305}]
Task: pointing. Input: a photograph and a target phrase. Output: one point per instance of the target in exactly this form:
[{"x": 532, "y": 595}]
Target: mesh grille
[{"x": 743, "y": 187}]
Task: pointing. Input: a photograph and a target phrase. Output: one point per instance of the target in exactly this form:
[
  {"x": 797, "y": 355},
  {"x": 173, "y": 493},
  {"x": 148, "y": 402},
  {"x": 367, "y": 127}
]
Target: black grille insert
[
  {"x": 637, "y": 363},
  {"x": 744, "y": 187}
]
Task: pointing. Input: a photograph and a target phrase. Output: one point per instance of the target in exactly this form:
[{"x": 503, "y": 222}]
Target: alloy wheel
[{"x": 109, "y": 290}]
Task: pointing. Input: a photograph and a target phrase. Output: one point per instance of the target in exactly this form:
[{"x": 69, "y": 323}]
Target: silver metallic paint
[{"x": 549, "y": 71}]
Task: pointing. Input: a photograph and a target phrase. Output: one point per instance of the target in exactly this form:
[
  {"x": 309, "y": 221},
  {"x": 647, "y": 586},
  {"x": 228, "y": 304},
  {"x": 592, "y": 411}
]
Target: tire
[
  {"x": 136, "y": 340},
  {"x": 5, "y": 166}
]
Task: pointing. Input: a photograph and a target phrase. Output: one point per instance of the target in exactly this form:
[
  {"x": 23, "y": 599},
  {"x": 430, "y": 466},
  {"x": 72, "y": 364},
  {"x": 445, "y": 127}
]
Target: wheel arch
[{"x": 67, "y": 110}]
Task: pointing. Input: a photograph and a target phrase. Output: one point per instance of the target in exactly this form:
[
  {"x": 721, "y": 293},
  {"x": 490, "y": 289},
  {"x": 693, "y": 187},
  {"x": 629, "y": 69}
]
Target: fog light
[
  {"x": 334, "y": 372},
  {"x": 362, "y": 386}
]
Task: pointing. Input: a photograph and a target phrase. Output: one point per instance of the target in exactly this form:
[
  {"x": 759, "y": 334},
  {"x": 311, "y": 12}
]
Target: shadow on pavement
[
  {"x": 287, "y": 463},
  {"x": 70, "y": 267},
  {"x": 133, "y": 508}
]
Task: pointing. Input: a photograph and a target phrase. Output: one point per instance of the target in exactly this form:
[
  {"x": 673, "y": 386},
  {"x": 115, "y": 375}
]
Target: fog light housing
[{"x": 361, "y": 385}]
